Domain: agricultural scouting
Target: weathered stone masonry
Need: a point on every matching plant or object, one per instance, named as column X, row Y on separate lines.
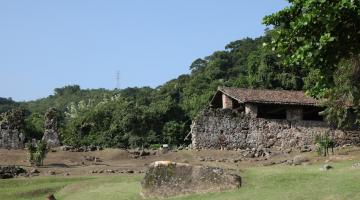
column 243, row 131
column 51, row 135
column 11, row 136
column 11, row 139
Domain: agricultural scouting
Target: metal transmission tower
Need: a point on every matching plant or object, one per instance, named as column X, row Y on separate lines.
column 117, row 80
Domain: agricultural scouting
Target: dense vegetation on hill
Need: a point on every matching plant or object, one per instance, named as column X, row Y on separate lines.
column 304, row 51
column 144, row 116
column 7, row 104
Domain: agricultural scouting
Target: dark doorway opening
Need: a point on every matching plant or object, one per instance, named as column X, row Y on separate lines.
column 271, row 112
column 312, row 113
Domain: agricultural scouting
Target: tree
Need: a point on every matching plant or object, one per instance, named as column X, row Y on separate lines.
column 198, row 64
column 319, row 35
column 71, row 89
column 343, row 100
column 173, row 133
column 34, row 125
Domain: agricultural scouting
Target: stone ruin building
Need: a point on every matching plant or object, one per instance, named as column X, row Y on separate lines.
column 251, row 118
column 51, row 133
column 12, row 126
column 11, row 135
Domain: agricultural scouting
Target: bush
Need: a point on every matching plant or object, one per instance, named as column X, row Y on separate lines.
column 37, row 153
column 323, row 144
column 155, row 146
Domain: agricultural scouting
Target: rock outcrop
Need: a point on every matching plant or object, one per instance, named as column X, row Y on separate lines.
column 51, row 134
column 165, row 178
column 11, row 124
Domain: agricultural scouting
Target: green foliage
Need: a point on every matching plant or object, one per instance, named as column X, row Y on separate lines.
column 320, row 36
column 31, row 151
column 316, row 33
column 7, row 104
column 324, row 143
column 343, row 104
column 64, row 96
column 316, row 84
column 37, row 153
column 155, row 146
column 173, row 132
column 34, row 125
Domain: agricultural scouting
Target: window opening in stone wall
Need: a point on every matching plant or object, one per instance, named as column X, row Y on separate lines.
column 271, row 112
column 312, row 113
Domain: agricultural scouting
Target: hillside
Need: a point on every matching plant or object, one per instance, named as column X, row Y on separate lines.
column 145, row 116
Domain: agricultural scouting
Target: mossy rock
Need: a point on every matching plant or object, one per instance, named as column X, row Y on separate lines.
column 165, row 178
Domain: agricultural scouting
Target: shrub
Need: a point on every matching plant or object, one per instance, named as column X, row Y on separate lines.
column 37, row 153
column 323, row 144
column 155, row 146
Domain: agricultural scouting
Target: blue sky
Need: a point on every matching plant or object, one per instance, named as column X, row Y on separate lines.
column 50, row 44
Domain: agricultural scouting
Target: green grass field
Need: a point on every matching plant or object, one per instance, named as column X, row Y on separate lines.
column 275, row 182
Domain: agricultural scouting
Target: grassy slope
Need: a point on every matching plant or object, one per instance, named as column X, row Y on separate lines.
column 275, row 182
column 35, row 188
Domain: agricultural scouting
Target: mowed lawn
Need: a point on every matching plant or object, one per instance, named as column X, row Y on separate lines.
column 273, row 182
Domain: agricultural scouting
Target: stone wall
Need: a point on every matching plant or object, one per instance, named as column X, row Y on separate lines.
column 227, row 102
column 51, row 135
column 294, row 114
column 251, row 109
column 243, row 131
column 11, row 124
column 11, row 139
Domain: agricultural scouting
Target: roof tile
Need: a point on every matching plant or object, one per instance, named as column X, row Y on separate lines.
column 269, row 96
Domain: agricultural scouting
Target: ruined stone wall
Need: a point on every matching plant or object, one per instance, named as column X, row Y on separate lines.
column 227, row 101
column 11, row 123
column 51, row 133
column 242, row 131
column 11, row 139
column 251, row 109
column 294, row 114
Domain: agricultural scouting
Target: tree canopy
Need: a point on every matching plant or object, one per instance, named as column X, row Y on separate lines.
column 322, row 37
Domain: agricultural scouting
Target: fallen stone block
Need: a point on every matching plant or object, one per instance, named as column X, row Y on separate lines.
column 165, row 178
column 7, row 172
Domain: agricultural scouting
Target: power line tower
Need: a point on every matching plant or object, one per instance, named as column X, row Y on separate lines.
column 117, row 80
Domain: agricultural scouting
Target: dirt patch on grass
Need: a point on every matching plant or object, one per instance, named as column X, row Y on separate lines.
column 42, row 192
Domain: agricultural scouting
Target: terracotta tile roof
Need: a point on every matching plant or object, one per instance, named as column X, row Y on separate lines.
column 269, row 96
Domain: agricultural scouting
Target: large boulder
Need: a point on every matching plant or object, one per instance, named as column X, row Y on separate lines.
column 300, row 159
column 165, row 178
